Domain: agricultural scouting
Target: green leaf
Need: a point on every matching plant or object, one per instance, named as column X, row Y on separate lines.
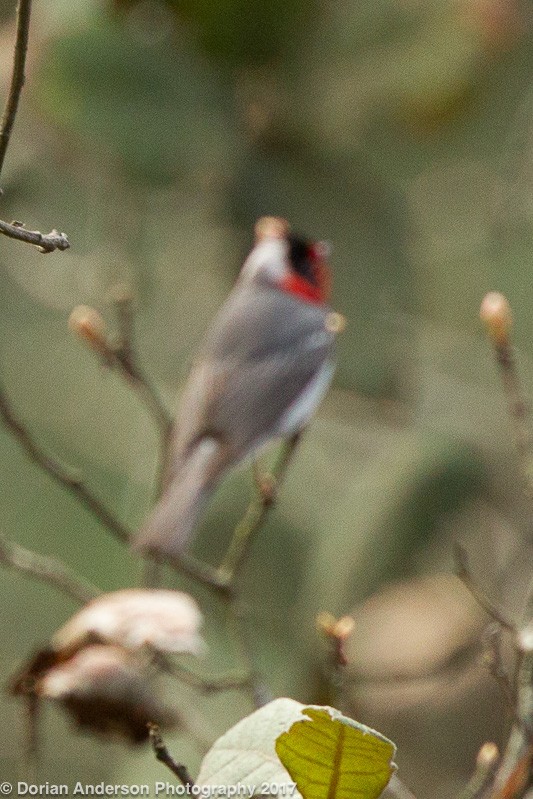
column 327, row 755
column 332, row 757
column 245, row 756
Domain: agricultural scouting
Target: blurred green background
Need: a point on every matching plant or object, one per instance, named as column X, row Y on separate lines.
column 154, row 134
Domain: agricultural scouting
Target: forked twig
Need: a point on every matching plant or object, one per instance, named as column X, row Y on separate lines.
column 257, row 511
column 48, row 570
column 46, row 242
column 163, row 755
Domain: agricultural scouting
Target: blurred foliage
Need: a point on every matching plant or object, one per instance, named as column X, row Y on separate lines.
column 154, row 134
column 239, row 33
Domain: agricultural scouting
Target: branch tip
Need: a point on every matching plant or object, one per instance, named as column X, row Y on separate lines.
column 495, row 313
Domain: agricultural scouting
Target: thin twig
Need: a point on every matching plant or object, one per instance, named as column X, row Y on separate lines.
column 63, row 475
column 145, row 390
column 492, row 642
column 225, row 682
column 462, row 569
column 45, row 242
column 496, row 313
column 528, row 610
column 47, row 569
column 124, row 358
column 336, row 632
column 17, row 76
column 163, row 755
column 201, row 572
column 89, row 326
column 257, row 512
column 519, row 410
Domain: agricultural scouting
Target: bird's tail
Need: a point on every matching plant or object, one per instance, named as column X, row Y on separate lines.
column 171, row 523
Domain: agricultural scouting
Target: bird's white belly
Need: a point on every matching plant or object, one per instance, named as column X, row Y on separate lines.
column 301, row 410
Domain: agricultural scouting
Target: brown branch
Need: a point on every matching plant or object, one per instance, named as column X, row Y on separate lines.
column 163, row 755
column 17, row 76
column 45, row 242
column 518, row 408
column 48, row 570
column 61, row 474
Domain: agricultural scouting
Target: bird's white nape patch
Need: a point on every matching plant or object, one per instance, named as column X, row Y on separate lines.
column 269, row 259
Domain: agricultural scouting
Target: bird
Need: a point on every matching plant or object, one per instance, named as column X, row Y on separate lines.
column 263, row 368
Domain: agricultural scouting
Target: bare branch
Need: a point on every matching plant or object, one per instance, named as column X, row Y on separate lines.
column 146, row 392
column 162, row 754
column 230, row 681
column 124, row 358
column 17, row 76
column 257, row 511
column 199, row 571
column 496, row 314
column 45, row 242
column 47, row 569
column 63, row 475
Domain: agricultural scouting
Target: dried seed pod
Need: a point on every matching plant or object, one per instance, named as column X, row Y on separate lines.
column 106, row 691
column 168, row 621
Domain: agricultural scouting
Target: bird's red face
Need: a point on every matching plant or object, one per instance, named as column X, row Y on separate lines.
column 309, row 278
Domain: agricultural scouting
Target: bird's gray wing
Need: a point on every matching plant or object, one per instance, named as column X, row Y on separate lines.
column 262, row 351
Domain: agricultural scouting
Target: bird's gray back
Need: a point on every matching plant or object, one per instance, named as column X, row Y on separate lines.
column 263, row 349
